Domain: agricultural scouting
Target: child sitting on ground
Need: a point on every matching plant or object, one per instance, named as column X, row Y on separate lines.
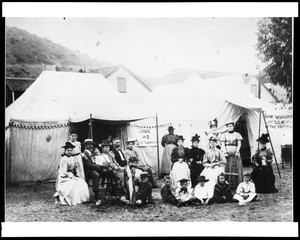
column 245, row 191
column 166, row 191
column 183, row 193
column 222, row 192
column 201, row 192
column 144, row 193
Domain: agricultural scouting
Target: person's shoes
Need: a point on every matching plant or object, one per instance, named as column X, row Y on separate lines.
column 98, row 202
column 242, row 203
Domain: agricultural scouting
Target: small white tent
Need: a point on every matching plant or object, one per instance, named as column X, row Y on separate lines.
column 37, row 123
column 188, row 106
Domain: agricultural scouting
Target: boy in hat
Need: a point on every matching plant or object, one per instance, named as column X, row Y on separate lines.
column 168, row 142
column 262, row 175
column 196, row 155
column 144, row 193
column 245, row 191
column 134, row 161
column 166, row 192
column 183, row 193
column 201, row 192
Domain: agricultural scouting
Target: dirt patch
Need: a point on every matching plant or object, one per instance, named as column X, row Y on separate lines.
column 27, row 204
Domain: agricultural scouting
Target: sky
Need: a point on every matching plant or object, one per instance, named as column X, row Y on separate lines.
column 156, row 46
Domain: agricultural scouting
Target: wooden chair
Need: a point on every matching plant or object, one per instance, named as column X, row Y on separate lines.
column 229, row 177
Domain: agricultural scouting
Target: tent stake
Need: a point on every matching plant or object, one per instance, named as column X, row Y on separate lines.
column 157, row 142
column 271, row 144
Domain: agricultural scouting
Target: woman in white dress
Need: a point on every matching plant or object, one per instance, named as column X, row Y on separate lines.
column 214, row 164
column 70, row 188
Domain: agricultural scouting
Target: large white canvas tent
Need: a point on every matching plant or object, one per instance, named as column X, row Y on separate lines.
column 189, row 106
column 37, row 123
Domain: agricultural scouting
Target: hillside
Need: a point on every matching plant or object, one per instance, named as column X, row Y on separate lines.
column 27, row 54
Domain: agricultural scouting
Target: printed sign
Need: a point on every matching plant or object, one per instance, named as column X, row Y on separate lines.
column 279, row 121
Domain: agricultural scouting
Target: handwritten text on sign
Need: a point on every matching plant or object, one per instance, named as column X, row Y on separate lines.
column 279, row 121
column 145, row 137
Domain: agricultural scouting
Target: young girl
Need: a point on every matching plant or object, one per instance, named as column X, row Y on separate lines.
column 76, row 153
column 70, row 189
column 222, row 192
column 245, row 191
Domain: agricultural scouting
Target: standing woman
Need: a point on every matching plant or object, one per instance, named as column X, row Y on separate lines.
column 231, row 145
column 76, row 153
column 213, row 133
column 262, row 175
column 168, row 142
column 196, row 156
column 70, row 189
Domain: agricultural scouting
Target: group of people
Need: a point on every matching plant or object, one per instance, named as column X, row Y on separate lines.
column 103, row 162
column 196, row 176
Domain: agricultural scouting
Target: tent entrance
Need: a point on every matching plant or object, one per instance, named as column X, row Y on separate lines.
column 241, row 127
column 101, row 130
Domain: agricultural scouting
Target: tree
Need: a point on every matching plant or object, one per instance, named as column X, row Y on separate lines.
column 275, row 49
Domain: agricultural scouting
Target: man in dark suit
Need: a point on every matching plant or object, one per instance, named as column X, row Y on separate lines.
column 119, row 155
column 91, row 169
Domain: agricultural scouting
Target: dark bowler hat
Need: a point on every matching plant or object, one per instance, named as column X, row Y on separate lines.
column 180, row 137
column 105, row 143
column 68, row 145
column 88, row 141
column 183, row 180
column 144, row 174
column 171, row 128
column 202, row 179
column 73, row 131
column 263, row 138
column 195, row 138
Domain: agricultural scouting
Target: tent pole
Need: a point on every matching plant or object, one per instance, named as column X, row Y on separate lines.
column 259, row 127
column 271, row 144
column 91, row 127
column 157, row 141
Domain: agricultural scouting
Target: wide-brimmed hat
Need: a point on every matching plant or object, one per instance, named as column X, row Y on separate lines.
column 144, row 174
column 263, row 138
column 88, row 141
column 131, row 140
column 68, row 145
column 183, row 180
column 170, row 128
column 202, row 179
column 195, row 138
column 230, row 121
column 105, row 143
column 213, row 122
column 180, row 137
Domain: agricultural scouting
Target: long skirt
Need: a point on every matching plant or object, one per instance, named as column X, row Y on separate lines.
column 234, row 165
column 212, row 175
column 264, row 179
column 196, row 169
column 71, row 191
column 166, row 162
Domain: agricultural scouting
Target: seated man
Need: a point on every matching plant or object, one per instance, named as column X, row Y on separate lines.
column 91, row 169
column 134, row 161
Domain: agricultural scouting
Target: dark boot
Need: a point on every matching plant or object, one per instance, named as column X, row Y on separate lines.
column 96, row 195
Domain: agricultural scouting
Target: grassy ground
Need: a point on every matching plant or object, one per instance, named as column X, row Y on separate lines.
column 27, row 204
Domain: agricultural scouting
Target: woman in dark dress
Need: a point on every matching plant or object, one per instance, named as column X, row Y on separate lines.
column 262, row 175
column 196, row 155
